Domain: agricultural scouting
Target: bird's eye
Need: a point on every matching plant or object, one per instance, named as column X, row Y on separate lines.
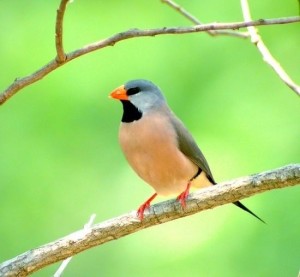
column 132, row 91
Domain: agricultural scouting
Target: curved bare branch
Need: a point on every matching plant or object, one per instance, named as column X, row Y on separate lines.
column 20, row 83
column 267, row 56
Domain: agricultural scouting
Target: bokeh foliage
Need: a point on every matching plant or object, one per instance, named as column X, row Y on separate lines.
column 60, row 160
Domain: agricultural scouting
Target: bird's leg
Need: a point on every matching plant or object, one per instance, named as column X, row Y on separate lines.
column 144, row 206
column 182, row 196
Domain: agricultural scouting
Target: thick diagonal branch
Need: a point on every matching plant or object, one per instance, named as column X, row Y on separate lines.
column 126, row 224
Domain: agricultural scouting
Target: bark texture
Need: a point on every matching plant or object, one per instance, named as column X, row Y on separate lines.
column 126, row 224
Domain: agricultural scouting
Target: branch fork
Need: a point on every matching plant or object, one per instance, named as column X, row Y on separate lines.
column 213, row 29
column 126, row 224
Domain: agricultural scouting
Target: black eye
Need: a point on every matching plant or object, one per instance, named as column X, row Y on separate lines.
column 132, row 91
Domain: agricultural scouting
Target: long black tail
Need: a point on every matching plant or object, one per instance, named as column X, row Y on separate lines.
column 240, row 205
column 237, row 203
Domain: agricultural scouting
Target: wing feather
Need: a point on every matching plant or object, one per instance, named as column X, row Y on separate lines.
column 189, row 147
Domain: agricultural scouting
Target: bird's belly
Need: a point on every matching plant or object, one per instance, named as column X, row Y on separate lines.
column 167, row 175
column 150, row 147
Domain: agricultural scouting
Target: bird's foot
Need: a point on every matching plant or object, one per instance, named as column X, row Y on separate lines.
column 144, row 206
column 183, row 196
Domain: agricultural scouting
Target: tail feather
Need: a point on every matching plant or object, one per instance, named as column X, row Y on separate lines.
column 240, row 205
column 237, row 203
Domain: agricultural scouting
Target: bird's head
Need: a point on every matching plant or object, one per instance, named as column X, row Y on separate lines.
column 142, row 94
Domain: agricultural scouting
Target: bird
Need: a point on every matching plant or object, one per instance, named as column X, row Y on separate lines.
column 158, row 146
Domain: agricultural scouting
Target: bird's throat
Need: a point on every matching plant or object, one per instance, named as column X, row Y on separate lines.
column 130, row 112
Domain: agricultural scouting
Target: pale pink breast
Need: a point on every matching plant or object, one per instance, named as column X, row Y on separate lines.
column 151, row 149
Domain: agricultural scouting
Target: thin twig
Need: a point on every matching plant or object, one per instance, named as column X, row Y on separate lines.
column 65, row 263
column 195, row 20
column 20, row 83
column 115, row 228
column 267, row 56
column 61, row 57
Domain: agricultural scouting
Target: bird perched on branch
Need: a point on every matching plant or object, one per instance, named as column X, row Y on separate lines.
column 158, row 146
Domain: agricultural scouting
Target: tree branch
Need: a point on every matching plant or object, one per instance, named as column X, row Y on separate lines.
column 126, row 224
column 65, row 263
column 267, row 56
column 59, row 32
column 195, row 20
column 20, row 83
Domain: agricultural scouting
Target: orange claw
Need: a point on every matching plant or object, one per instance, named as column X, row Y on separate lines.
column 144, row 206
column 183, row 196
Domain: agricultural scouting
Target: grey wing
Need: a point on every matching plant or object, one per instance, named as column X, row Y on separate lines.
column 189, row 147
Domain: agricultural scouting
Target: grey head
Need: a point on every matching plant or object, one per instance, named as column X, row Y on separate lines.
column 144, row 95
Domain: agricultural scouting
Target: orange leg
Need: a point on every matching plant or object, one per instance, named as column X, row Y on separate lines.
column 182, row 196
column 144, row 206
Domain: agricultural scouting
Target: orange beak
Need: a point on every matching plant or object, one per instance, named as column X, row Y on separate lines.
column 119, row 93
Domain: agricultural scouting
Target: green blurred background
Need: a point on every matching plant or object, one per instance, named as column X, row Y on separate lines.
column 60, row 158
